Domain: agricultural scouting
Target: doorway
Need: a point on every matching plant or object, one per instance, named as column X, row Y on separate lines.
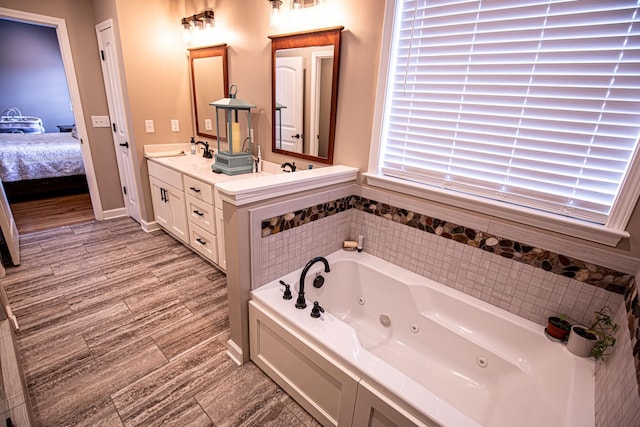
column 59, row 26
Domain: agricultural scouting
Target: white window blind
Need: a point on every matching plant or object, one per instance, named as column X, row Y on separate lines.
column 535, row 103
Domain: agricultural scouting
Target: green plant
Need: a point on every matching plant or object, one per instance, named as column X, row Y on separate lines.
column 602, row 327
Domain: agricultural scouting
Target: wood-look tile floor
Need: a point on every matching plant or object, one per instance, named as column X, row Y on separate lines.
column 53, row 212
column 122, row 327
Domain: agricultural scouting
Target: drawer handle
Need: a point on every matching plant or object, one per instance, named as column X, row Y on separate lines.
column 202, row 242
column 197, row 190
column 198, row 213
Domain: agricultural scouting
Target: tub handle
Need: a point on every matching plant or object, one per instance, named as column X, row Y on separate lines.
column 316, row 310
column 287, row 290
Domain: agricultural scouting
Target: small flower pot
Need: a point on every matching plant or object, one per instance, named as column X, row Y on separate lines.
column 581, row 341
column 558, row 328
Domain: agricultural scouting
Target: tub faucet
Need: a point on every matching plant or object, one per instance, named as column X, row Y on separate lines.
column 300, row 302
column 292, row 166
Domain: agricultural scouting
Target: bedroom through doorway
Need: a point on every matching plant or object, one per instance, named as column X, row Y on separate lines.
column 41, row 160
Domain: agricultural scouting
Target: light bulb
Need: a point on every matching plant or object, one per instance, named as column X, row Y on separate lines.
column 275, row 17
column 274, row 20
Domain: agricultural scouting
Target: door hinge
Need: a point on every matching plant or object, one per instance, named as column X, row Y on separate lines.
column 102, row 54
column 114, row 126
column 124, row 188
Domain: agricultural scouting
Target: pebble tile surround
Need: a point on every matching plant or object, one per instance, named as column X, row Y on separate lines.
column 592, row 274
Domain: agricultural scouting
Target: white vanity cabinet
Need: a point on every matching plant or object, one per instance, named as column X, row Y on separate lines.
column 168, row 200
column 202, row 219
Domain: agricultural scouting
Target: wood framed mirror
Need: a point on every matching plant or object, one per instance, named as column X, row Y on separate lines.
column 209, row 82
column 304, row 93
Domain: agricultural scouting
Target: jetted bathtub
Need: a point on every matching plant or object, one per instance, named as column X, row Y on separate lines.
column 395, row 348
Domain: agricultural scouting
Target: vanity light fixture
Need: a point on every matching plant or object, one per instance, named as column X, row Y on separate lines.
column 200, row 21
column 274, row 19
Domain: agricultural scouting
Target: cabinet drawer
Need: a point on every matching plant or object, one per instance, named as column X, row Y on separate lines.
column 203, row 242
column 201, row 214
column 165, row 174
column 198, row 189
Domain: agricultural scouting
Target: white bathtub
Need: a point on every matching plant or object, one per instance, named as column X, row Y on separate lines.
column 447, row 357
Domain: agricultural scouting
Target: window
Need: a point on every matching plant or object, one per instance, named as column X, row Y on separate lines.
column 533, row 104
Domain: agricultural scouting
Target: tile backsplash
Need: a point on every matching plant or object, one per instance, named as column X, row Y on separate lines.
column 538, row 258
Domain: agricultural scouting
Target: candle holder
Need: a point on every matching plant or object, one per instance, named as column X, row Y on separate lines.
column 237, row 158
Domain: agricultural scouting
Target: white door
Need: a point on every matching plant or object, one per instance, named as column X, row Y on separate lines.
column 119, row 125
column 9, row 229
column 290, row 93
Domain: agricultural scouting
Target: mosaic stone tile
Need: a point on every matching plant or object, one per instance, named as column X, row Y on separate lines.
column 581, row 271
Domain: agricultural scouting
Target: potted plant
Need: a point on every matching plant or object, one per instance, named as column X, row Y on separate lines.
column 594, row 339
column 558, row 328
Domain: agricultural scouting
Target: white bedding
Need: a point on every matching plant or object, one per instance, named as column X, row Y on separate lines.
column 34, row 156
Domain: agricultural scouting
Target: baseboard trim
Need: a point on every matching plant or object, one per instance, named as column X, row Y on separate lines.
column 114, row 213
column 150, row 226
column 235, row 353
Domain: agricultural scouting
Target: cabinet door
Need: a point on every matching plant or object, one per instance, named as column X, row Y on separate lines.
column 178, row 225
column 160, row 207
column 169, row 208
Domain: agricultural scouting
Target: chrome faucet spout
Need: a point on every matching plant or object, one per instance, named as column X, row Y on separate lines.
column 300, row 302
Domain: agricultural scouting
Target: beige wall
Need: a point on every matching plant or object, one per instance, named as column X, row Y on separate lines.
column 247, row 30
column 79, row 18
column 156, row 75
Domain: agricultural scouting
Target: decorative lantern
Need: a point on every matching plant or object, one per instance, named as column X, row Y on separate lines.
column 237, row 158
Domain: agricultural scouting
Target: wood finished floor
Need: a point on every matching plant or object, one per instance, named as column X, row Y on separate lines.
column 44, row 214
column 122, row 327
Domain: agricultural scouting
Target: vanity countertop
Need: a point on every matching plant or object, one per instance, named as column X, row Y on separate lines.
column 199, row 167
column 193, row 165
column 252, row 187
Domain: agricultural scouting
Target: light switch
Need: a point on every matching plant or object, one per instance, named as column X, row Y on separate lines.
column 148, row 125
column 100, row 121
column 207, row 124
column 175, row 125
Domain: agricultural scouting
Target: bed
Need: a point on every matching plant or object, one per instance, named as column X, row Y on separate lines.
column 35, row 165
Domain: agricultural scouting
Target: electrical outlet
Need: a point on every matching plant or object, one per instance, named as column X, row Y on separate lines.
column 251, row 136
column 100, row 121
column 175, row 125
column 207, row 124
column 148, row 125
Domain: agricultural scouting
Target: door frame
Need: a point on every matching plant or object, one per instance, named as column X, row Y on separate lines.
column 314, row 99
column 295, row 109
column 72, row 82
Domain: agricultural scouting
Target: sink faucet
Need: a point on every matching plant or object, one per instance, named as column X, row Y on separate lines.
column 292, row 166
column 206, row 153
column 300, row 302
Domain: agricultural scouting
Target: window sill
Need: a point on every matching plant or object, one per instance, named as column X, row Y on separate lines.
column 570, row 227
